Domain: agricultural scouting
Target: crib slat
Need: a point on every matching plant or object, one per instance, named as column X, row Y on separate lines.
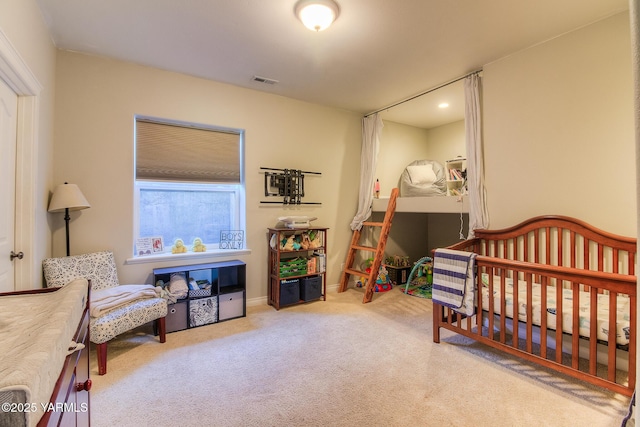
column 516, row 309
column 632, row 338
column 543, row 318
column 613, row 311
column 547, row 259
column 600, row 257
column 491, row 304
column 479, row 303
column 593, row 331
column 503, row 308
column 572, row 245
column 558, row 321
column 560, row 247
column 575, row 336
column 529, row 314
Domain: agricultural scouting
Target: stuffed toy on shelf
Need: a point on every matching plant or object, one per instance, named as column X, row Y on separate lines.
column 178, row 247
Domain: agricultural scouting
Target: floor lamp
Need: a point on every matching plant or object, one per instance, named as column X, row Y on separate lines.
column 67, row 197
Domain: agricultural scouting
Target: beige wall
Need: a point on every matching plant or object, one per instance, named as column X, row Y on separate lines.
column 558, row 130
column 399, row 145
column 402, row 144
column 21, row 22
column 447, row 142
column 96, row 103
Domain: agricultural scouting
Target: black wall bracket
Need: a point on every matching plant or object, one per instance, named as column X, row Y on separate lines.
column 286, row 183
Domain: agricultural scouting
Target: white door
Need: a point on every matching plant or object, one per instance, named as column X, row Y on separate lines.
column 8, row 124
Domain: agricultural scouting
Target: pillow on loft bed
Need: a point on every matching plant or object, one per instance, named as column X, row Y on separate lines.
column 422, row 174
column 423, row 178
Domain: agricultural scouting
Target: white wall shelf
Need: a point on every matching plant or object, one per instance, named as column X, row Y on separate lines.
column 435, row 204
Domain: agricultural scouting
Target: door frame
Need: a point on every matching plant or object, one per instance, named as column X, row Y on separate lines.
column 15, row 72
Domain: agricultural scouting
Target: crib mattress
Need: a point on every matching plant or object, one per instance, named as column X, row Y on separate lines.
column 622, row 315
column 35, row 333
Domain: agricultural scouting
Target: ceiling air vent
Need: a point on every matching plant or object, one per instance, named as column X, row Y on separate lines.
column 264, row 80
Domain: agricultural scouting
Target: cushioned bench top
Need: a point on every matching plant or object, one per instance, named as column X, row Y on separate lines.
column 35, row 333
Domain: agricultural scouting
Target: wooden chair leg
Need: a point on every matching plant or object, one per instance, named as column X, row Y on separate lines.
column 102, row 358
column 162, row 329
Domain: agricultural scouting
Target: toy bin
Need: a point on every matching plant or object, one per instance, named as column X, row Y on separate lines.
column 203, row 311
column 231, row 305
column 176, row 317
column 310, row 288
column 398, row 275
column 289, row 291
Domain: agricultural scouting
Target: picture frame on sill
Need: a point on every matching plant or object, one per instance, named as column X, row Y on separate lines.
column 149, row 246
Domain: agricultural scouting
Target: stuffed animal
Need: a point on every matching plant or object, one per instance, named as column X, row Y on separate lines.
column 305, row 242
column 198, row 246
column 315, row 241
column 178, row 247
column 288, row 244
column 296, row 243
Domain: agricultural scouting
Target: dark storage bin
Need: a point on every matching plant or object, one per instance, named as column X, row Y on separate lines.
column 176, row 319
column 289, row 291
column 310, row 288
column 398, row 275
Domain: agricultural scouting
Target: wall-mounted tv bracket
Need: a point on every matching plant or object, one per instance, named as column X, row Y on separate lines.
column 286, row 183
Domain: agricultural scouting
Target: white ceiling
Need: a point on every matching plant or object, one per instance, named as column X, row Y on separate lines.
column 378, row 52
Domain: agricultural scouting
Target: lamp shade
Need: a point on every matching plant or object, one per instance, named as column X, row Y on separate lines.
column 67, row 196
column 317, row 15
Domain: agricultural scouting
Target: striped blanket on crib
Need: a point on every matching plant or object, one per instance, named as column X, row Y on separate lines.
column 454, row 280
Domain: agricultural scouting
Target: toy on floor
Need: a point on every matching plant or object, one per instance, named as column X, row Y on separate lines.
column 383, row 284
column 366, row 267
column 422, row 267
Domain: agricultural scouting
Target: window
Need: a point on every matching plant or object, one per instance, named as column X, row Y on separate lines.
column 189, row 182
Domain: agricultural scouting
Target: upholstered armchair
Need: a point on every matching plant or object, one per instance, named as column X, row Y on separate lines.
column 128, row 308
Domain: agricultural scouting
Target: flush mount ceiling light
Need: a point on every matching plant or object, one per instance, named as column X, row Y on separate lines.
column 317, row 15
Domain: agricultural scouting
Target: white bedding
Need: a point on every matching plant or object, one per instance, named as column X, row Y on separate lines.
column 623, row 312
column 35, row 333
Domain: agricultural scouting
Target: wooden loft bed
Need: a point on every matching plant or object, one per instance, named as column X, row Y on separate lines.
column 431, row 204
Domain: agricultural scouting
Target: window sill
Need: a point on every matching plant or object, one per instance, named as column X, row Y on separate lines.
column 188, row 256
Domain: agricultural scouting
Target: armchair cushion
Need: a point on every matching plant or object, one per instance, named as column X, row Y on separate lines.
column 99, row 267
column 124, row 318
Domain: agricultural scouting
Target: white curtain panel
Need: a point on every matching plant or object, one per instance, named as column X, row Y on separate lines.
column 371, row 128
column 478, row 213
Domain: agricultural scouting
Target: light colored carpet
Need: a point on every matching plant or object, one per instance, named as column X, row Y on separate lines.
column 334, row 363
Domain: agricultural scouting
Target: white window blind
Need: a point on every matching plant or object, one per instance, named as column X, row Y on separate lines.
column 181, row 153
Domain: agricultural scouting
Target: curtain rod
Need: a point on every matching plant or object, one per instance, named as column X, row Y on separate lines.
column 424, row 93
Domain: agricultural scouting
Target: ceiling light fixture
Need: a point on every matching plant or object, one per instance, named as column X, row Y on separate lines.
column 317, row 15
column 443, row 105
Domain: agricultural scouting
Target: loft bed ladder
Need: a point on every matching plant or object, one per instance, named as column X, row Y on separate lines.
column 378, row 251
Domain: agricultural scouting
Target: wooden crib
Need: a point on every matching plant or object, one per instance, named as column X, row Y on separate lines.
column 550, row 265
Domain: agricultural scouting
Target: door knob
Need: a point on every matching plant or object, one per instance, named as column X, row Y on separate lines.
column 18, row 255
